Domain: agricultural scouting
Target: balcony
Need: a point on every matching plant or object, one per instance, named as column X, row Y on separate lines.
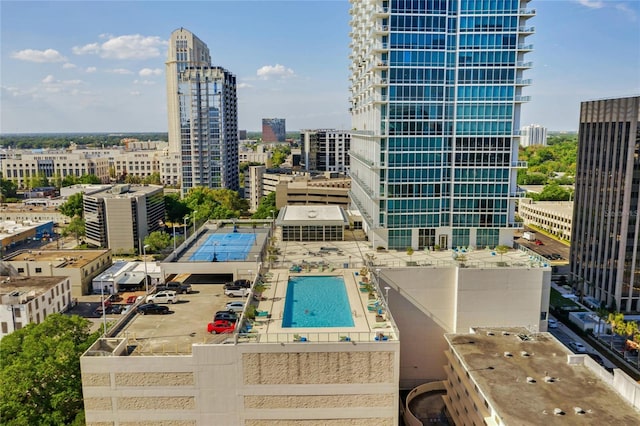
column 527, row 30
column 381, row 47
column 379, row 98
column 527, row 12
column 381, row 64
column 519, row 164
column 522, row 98
column 381, row 12
column 524, row 82
column 527, row 64
column 525, row 47
column 382, row 29
column 380, row 82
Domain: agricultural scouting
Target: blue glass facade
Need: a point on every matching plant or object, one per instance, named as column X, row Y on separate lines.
column 436, row 93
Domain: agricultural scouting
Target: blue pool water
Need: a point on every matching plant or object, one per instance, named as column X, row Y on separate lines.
column 224, row 247
column 317, row 301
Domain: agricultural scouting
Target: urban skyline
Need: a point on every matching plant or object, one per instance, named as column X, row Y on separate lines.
column 73, row 72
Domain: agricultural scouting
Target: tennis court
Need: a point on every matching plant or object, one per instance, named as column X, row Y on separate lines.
column 224, row 247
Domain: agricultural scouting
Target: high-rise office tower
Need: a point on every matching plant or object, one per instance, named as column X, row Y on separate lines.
column 436, row 90
column 325, row 150
column 605, row 243
column 203, row 115
column 273, row 130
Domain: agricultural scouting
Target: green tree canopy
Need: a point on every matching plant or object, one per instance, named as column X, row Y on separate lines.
column 157, row 241
column 73, row 207
column 76, row 228
column 40, row 374
column 153, row 179
column 525, row 178
column 215, row 203
column 69, row 180
column 175, row 208
column 267, row 204
column 39, row 181
column 8, row 189
column 553, row 192
column 280, row 154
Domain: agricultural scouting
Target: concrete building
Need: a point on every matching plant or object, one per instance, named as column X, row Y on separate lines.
column 14, row 234
column 312, row 223
column 605, row 251
column 533, row 134
column 203, row 115
column 19, row 166
column 325, row 150
column 273, row 130
column 121, row 217
column 81, row 266
column 513, row 376
column 316, row 190
column 551, row 216
column 248, row 154
column 434, row 153
column 30, row 300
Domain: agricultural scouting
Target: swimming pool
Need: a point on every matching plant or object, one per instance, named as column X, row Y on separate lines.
column 223, row 247
column 317, row 301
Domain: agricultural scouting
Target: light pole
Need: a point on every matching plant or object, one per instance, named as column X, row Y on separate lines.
column 386, row 296
column 194, row 221
column 273, row 220
column 215, row 257
column 185, row 226
column 146, row 281
column 104, row 311
column 173, row 225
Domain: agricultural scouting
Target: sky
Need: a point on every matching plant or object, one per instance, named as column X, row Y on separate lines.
column 98, row 66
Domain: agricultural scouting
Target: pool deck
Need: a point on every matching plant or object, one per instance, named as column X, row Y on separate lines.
column 366, row 326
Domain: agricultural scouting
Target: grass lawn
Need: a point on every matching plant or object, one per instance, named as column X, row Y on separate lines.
column 557, row 301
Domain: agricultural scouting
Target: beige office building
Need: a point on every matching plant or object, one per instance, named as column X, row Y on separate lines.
column 513, row 376
column 553, row 217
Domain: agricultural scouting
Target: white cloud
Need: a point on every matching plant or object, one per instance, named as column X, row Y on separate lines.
column 275, row 71
column 121, row 71
column 68, row 65
column 91, row 69
column 132, row 46
column 48, row 79
column 147, row 72
column 144, row 82
column 135, row 93
column 31, row 55
column 627, row 10
column 244, row 86
column 592, row 4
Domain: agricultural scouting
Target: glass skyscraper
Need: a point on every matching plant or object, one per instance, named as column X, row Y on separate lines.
column 436, row 90
column 203, row 115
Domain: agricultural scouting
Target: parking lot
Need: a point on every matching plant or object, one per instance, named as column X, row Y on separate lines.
column 185, row 325
column 549, row 246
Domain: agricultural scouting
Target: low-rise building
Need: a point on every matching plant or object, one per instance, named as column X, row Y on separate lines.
column 513, row 376
column 14, row 234
column 552, row 216
column 81, row 266
column 314, row 191
column 30, row 300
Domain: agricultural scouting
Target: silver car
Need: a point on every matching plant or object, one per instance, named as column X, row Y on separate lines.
column 235, row 306
column 166, row 296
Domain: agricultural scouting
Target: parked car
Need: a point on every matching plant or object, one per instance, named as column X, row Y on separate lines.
column 578, row 347
column 235, row 306
column 236, row 291
column 552, row 323
column 597, row 358
column 242, row 283
column 167, row 296
column 176, row 286
column 539, row 243
column 221, row 326
column 152, row 308
column 226, row 316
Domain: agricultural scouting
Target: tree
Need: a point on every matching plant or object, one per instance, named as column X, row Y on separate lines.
column 69, row 180
column 40, row 376
column 76, row 228
column 616, row 321
column 267, row 204
column 553, row 192
column 157, row 241
column 73, row 207
column 89, row 179
column 215, row 203
column 280, row 154
column 8, row 189
column 175, row 208
column 38, row 181
column 410, row 252
column 152, row 179
column 501, row 250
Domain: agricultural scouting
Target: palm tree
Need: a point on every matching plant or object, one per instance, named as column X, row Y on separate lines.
column 631, row 330
column 614, row 320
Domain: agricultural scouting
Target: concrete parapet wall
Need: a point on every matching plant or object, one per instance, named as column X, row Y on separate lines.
column 157, row 403
column 318, row 401
column 336, row 422
column 318, row 368
column 154, row 379
column 96, row 379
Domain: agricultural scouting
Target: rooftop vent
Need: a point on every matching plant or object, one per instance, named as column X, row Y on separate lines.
column 506, row 333
column 531, row 380
column 524, row 354
column 549, row 379
column 579, row 411
column 508, row 354
column 490, row 333
column 558, row 412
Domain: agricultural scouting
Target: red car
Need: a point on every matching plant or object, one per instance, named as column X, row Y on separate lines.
column 221, row 326
column 539, row 243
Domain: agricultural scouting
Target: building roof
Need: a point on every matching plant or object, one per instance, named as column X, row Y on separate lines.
column 305, row 215
column 505, row 381
column 125, row 190
column 58, row 258
column 557, row 208
column 33, row 286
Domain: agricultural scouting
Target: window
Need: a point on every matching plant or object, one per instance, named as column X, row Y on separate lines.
column 38, row 270
column 21, row 270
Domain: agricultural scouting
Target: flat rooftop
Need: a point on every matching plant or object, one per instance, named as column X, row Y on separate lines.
column 503, row 379
column 205, row 243
column 37, row 285
column 311, row 214
column 58, row 258
column 186, row 325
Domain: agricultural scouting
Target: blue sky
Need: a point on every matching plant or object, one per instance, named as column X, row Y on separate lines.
column 92, row 66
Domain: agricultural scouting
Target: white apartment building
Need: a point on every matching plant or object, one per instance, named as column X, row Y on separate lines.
column 533, row 134
column 260, row 155
column 29, row 300
column 325, row 150
column 20, row 166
